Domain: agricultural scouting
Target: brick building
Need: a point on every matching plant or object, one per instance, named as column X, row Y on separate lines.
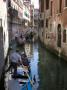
column 55, row 25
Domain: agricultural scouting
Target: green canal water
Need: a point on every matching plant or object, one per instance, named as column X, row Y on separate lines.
column 52, row 71
column 49, row 70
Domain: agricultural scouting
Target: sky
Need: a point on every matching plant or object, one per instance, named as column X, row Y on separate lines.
column 36, row 3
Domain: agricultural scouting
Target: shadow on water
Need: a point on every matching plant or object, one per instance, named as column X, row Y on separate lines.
column 52, row 71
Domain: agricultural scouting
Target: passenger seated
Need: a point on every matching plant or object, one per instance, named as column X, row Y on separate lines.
column 24, row 59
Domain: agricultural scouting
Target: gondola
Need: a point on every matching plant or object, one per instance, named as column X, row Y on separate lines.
column 21, row 81
column 24, row 79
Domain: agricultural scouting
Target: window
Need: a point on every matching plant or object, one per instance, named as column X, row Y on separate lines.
column 65, row 3
column 42, row 5
column 47, row 4
column 50, row 27
column 4, row 36
column 51, row 7
column 47, row 23
column 59, row 35
column 42, row 33
column 42, row 23
column 60, row 6
column 64, row 36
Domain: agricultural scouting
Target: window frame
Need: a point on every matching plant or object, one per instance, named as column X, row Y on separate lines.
column 47, row 22
column 47, row 4
column 65, row 3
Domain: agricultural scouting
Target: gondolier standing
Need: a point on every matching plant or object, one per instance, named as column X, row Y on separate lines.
column 15, row 60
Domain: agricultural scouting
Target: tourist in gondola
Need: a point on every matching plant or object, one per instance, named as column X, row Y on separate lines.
column 24, row 59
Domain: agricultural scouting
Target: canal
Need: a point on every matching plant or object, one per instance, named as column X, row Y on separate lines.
column 52, row 71
column 48, row 71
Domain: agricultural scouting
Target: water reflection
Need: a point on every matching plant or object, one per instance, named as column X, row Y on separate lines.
column 29, row 50
column 34, row 62
column 32, row 52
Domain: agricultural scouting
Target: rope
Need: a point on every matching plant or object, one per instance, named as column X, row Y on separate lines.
column 29, row 77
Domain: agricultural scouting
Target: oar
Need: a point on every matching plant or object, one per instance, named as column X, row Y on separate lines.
column 28, row 76
column 30, row 79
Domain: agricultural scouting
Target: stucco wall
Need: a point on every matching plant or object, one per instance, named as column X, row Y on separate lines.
column 50, row 33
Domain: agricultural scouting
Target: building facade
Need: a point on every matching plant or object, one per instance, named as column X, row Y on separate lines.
column 18, row 14
column 36, row 18
column 55, row 25
column 41, row 19
column 3, row 34
column 32, row 15
column 14, row 17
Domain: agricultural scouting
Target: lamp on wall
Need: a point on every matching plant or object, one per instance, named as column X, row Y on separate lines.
column 0, row 22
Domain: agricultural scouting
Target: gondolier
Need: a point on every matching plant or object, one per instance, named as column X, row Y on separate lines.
column 15, row 60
